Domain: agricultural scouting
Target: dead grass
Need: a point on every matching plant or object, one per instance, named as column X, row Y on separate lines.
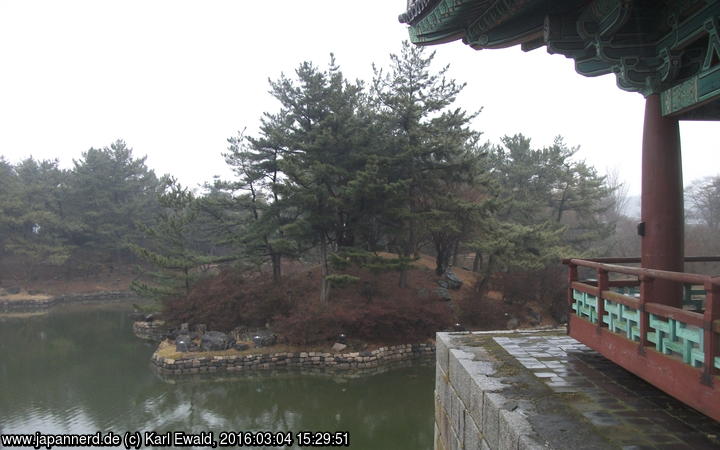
column 23, row 296
column 22, row 315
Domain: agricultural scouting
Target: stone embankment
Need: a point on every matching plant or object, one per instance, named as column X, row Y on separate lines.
column 155, row 330
column 303, row 360
column 41, row 303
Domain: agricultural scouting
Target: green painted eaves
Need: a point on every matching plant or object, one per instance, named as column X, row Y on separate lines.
column 447, row 18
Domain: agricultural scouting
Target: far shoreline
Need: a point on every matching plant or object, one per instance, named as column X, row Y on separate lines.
column 27, row 303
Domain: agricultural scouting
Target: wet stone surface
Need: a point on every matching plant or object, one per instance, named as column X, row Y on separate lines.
column 628, row 411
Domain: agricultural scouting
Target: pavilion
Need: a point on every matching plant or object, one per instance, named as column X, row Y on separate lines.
column 654, row 320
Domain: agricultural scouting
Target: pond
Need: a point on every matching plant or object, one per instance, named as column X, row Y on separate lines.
column 79, row 369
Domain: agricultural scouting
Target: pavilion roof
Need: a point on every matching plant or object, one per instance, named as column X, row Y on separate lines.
column 670, row 47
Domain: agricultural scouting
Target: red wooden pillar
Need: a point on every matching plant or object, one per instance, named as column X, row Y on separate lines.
column 603, row 285
column 572, row 277
column 710, row 339
column 662, row 212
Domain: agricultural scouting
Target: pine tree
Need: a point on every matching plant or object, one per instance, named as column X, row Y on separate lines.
column 175, row 246
column 110, row 192
column 34, row 221
column 430, row 152
column 546, row 206
column 260, row 234
column 319, row 135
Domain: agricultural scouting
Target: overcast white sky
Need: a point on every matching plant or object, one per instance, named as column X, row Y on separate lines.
column 176, row 78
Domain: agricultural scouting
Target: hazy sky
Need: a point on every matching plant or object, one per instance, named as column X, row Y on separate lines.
column 175, row 79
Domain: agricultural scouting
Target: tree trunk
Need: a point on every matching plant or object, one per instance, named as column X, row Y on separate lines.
column 402, row 282
column 456, row 249
column 477, row 261
column 487, row 273
column 324, row 271
column 441, row 260
column 403, row 279
column 277, row 266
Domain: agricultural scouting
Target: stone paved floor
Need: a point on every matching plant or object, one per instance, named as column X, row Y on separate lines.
column 631, row 412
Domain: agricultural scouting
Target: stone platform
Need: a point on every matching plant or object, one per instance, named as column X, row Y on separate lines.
column 543, row 389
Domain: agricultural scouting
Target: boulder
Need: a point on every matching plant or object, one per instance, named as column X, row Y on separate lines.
column 172, row 334
column 452, row 280
column 338, row 347
column 215, row 340
column 443, row 293
column 241, row 346
column 183, row 343
column 264, row 339
column 443, row 284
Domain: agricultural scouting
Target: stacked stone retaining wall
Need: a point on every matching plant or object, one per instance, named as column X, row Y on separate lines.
column 45, row 303
column 332, row 361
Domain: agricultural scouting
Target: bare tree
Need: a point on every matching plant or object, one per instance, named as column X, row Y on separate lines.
column 703, row 201
column 618, row 197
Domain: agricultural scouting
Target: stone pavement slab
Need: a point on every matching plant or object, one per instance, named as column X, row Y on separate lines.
column 559, row 394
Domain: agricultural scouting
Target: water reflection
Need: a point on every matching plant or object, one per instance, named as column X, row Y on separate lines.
column 80, row 370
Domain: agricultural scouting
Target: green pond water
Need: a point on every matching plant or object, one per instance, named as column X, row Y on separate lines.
column 79, row 369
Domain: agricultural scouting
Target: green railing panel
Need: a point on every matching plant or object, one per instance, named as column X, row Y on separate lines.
column 622, row 319
column 585, row 305
column 673, row 336
column 670, row 336
column 698, row 359
column 662, row 327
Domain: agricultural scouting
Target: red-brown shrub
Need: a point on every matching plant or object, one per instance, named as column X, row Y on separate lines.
column 228, row 300
column 547, row 287
column 486, row 311
column 386, row 321
column 395, row 315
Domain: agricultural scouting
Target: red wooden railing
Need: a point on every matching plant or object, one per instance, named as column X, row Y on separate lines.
column 698, row 387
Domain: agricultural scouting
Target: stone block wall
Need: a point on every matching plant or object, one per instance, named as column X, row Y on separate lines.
column 337, row 361
column 471, row 411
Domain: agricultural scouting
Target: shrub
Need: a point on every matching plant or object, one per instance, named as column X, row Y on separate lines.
column 383, row 321
column 228, row 300
column 391, row 315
